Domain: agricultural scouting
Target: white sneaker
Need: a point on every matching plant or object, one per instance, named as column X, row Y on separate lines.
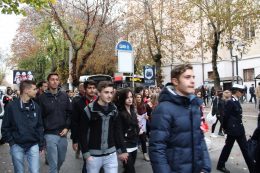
column 213, row 135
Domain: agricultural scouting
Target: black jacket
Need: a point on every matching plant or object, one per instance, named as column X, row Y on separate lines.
column 130, row 128
column 56, row 112
column 99, row 132
column 256, row 136
column 78, row 105
column 23, row 126
column 232, row 121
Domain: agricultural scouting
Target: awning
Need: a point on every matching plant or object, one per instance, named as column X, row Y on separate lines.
column 225, row 79
column 258, row 76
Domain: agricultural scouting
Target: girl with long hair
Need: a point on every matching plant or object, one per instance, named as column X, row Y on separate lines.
column 142, row 119
column 130, row 128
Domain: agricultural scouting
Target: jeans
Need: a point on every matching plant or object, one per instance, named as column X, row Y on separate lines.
column 56, row 147
column 33, row 157
column 109, row 164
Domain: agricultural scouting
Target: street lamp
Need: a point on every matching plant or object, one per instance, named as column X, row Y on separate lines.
column 240, row 48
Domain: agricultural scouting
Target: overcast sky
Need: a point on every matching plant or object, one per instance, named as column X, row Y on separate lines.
column 8, row 27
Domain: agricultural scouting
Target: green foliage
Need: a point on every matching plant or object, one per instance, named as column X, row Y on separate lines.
column 11, row 6
column 38, row 64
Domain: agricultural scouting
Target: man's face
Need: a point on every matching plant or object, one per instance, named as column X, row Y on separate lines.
column 54, row 82
column 44, row 87
column 91, row 90
column 185, row 84
column 81, row 89
column 31, row 92
column 106, row 94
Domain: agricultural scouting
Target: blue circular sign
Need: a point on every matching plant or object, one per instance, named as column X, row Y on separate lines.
column 124, row 46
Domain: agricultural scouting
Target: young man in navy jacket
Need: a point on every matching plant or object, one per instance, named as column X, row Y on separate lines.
column 22, row 128
column 176, row 141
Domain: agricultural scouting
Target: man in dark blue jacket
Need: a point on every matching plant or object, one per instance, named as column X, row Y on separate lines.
column 22, row 128
column 56, row 113
column 234, row 128
column 176, row 141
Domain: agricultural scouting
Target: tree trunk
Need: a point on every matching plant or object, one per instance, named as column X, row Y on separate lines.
column 158, row 65
column 214, row 60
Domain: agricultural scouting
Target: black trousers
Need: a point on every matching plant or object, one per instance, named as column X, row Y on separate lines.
column 220, row 119
column 142, row 139
column 129, row 166
column 241, row 140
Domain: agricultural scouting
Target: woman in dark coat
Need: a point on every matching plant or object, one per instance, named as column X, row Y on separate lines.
column 130, row 128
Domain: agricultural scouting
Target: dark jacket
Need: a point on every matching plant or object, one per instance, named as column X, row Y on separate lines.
column 56, row 111
column 99, row 131
column 176, row 142
column 215, row 106
column 78, row 105
column 23, row 126
column 130, row 128
column 232, row 121
column 256, row 136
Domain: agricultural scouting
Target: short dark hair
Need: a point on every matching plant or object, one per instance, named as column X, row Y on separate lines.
column 25, row 84
column 52, row 74
column 179, row 69
column 104, row 84
column 89, row 82
column 40, row 83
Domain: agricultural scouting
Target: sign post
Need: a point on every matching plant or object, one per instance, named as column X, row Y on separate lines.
column 124, row 51
column 149, row 75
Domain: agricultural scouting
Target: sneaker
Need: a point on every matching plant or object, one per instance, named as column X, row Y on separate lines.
column 146, row 157
column 223, row 169
column 213, row 135
column 221, row 134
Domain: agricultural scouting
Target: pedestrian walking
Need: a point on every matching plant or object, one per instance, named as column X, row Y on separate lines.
column 130, row 128
column 78, row 107
column 234, row 128
column 176, row 142
column 258, row 94
column 56, row 113
column 22, row 128
column 252, row 93
column 217, row 109
column 142, row 120
column 100, row 133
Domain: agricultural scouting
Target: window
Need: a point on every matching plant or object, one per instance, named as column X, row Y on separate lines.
column 210, row 75
column 249, row 30
column 249, row 74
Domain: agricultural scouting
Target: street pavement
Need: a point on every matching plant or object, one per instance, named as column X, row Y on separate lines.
column 235, row 164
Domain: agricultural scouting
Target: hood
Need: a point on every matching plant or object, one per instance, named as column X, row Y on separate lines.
column 169, row 94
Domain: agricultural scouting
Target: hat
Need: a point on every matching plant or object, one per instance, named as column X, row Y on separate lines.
column 238, row 86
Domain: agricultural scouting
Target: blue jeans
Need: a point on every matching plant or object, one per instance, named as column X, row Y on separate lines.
column 33, row 157
column 56, row 147
column 109, row 164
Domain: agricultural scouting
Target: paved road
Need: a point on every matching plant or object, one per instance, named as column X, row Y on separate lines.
column 235, row 163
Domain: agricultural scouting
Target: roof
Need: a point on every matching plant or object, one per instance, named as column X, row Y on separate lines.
column 258, row 76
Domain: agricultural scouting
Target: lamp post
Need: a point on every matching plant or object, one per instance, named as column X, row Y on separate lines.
column 240, row 48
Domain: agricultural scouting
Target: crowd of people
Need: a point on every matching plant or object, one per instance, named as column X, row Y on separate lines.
column 107, row 125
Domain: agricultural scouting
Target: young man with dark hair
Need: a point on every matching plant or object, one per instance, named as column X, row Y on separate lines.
column 56, row 113
column 42, row 87
column 176, row 141
column 78, row 106
column 234, row 128
column 100, row 131
column 22, row 128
